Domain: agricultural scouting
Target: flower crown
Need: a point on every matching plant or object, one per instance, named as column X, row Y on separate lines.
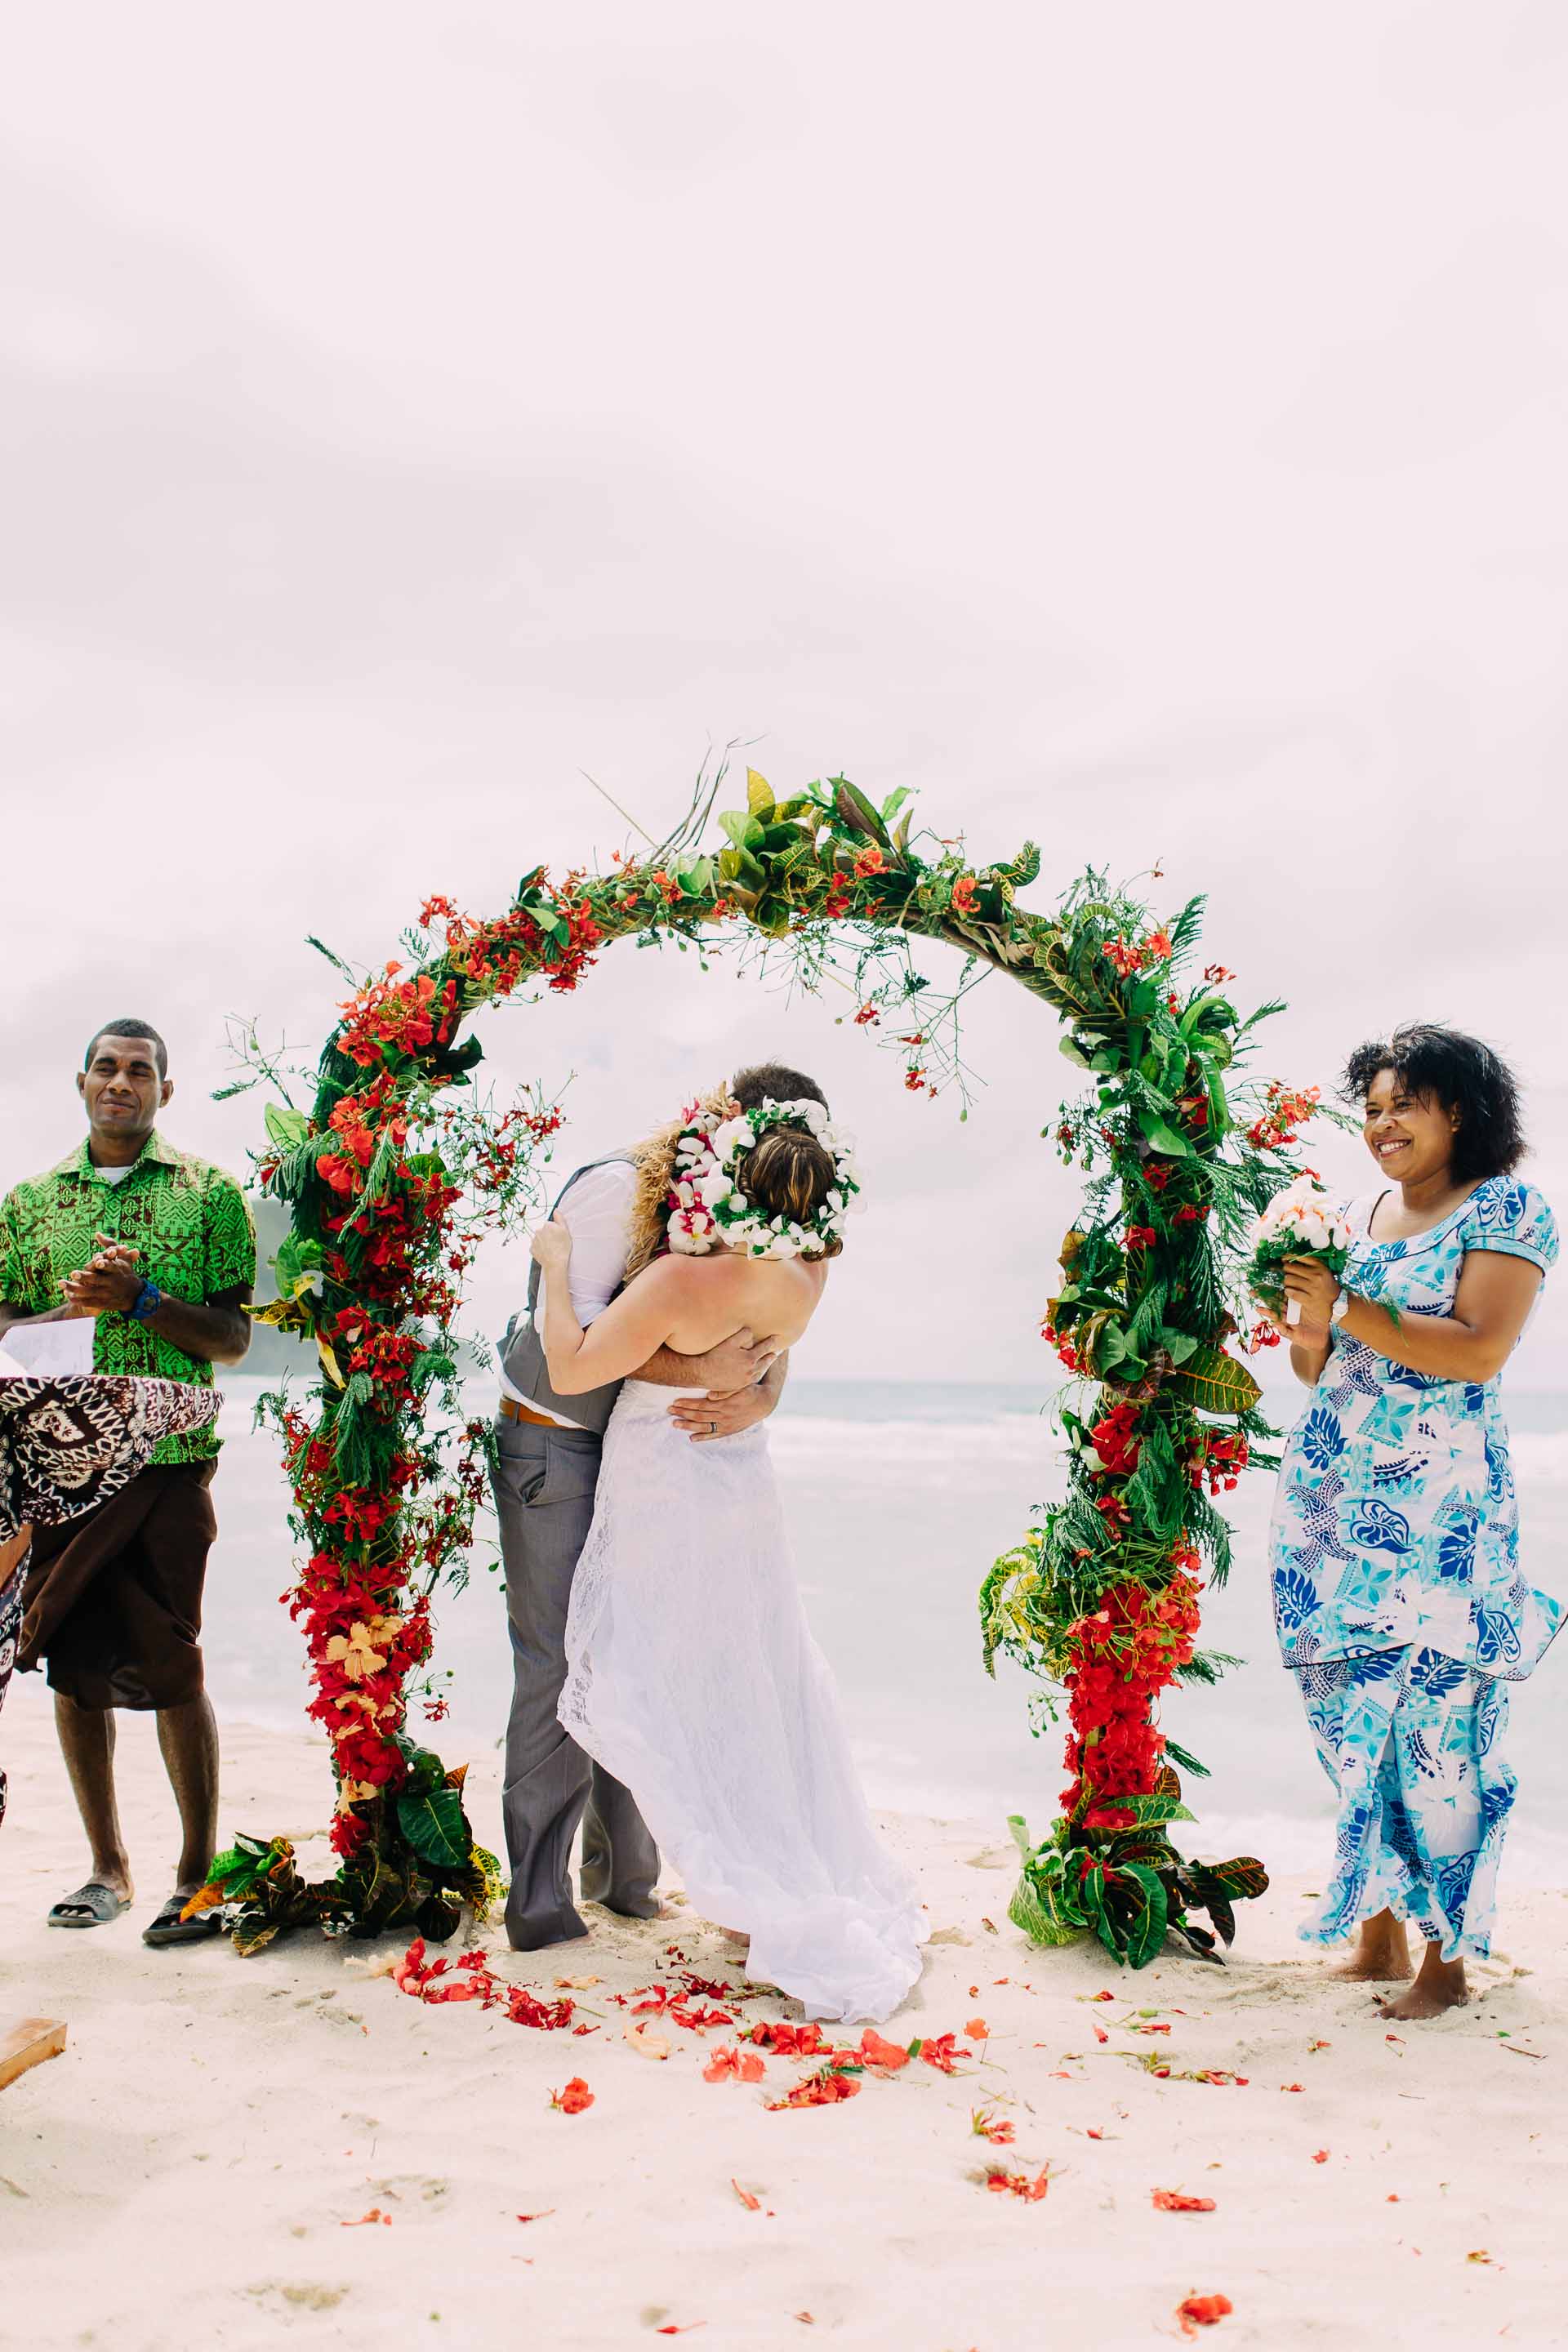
column 706, row 1206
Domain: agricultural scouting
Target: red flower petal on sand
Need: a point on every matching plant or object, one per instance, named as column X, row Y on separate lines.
column 1203, row 2310
column 1101, row 2034
column 826, row 2088
column 1292, row 2086
column 786, row 2041
column 1319, row 2156
column 375, row 2214
column 940, row 2050
column 543, row 2216
column 883, row 2057
column 733, row 2067
column 753, row 2204
column 985, row 2126
column 977, row 2030
column 574, row 2099
column 1171, row 2200
column 1018, row 2184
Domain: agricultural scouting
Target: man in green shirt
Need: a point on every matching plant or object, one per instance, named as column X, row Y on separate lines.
column 157, row 1247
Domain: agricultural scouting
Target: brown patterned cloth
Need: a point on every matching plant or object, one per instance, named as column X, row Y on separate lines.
column 12, row 1555
column 113, row 1583
column 70, row 1441
column 114, row 1598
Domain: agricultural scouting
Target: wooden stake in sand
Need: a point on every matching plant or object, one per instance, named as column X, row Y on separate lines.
column 28, row 2044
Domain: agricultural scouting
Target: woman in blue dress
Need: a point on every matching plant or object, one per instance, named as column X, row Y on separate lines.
column 1398, row 1597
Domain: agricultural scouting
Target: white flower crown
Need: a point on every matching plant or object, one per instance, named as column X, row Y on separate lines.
column 707, row 1208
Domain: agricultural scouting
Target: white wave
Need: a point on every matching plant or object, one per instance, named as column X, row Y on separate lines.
column 1539, row 1456
column 803, row 1439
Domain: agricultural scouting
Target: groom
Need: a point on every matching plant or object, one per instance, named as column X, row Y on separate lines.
column 548, row 1468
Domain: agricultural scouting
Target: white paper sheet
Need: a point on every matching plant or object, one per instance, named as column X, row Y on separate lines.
column 45, row 1349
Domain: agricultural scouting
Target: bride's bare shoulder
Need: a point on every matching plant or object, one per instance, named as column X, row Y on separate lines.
column 680, row 1275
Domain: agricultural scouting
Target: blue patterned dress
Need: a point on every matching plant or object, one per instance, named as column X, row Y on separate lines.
column 1398, row 1598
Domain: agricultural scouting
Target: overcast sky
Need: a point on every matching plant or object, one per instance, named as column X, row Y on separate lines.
column 1141, row 427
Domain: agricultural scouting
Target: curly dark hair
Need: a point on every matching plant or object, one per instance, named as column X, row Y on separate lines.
column 1445, row 1065
column 775, row 1080
column 126, row 1026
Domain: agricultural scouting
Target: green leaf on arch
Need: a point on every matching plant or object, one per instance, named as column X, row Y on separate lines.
column 435, row 1827
column 1164, row 1138
column 1214, row 1382
column 856, row 812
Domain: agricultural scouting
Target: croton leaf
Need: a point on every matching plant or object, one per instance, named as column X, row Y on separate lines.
column 253, row 1931
column 1142, row 1892
column 855, row 812
column 435, row 1827
column 1144, row 1845
column 1215, row 1383
column 1224, row 1917
column 759, row 795
column 1243, row 1878
column 437, row 1918
column 1039, row 1918
column 1152, row 1813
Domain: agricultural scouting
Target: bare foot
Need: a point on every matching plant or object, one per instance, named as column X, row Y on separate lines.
column 1439, row 1986
column 1382, row 1955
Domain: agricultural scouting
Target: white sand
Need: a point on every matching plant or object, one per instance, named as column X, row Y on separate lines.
column 181, row 2176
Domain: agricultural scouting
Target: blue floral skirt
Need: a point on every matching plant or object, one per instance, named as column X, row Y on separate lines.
column 1412, row 1743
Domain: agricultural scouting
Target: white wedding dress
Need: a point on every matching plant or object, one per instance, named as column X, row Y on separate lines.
column 693, row 1677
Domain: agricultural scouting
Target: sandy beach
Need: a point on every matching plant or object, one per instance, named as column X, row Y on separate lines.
column 201, row 2162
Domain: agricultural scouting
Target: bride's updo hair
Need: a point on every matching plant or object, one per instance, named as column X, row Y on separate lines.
column 787, row 1173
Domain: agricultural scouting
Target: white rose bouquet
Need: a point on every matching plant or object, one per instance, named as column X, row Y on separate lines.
column 1303, row 1220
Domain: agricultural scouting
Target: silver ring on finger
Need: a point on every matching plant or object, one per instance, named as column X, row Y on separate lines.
column 712, row 1429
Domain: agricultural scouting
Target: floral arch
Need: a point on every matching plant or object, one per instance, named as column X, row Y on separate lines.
column 399, row 1164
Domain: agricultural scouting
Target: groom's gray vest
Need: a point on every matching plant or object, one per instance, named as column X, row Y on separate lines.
column 521, row 1350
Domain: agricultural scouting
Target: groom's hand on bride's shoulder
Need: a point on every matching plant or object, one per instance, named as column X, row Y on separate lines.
column 552, row 1243
column 738, row 1362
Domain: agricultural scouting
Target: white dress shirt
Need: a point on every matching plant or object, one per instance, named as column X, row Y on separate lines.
column 597, row 1213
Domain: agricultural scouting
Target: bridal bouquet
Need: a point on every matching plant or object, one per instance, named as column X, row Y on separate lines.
column 1301, row 1221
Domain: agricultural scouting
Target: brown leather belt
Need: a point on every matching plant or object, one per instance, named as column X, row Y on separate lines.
column 512, row 1411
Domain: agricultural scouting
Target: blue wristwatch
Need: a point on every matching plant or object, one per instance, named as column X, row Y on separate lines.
column 149, row 1299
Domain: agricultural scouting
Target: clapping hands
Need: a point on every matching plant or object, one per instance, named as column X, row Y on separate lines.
column 110, row 1283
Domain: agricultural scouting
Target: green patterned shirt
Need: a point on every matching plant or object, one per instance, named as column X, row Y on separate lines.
column 190, row 1223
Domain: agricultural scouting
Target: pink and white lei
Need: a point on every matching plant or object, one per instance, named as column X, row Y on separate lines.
column 707, row 1208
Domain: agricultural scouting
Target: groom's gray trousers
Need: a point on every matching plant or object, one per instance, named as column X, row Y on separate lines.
column 544, row 1486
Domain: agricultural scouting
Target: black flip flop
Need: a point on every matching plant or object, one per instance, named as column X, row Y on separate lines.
column 168, row 1927
column 96, row 1904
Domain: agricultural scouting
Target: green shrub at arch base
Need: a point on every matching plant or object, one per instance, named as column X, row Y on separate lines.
column 398, row 1165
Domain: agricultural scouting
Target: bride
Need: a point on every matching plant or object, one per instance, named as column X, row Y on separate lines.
column 692, row 1676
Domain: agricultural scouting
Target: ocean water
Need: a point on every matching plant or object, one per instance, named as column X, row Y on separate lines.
column 899, row 1496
